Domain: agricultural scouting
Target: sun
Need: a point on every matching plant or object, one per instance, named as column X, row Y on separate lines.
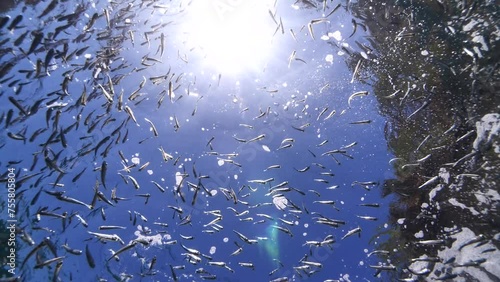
column 232, row 36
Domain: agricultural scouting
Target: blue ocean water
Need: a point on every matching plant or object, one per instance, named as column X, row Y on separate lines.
column 237, row 93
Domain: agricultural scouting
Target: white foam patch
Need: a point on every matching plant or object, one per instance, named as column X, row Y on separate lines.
column 155, row 240
column 178, row 178
column 280, row 202
column 329, row 58
column 419, row 234
column 335, row 35
column 456, row 203
column 469, row 253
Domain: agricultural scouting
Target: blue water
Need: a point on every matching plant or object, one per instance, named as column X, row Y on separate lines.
column 296, row 101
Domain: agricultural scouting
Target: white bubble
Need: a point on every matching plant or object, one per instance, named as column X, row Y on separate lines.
column 424, row 53
column 304, row 234
column 266, row 148
column 150, row 171
column 213, row 192
column 212, row 250
column 136, row 160
column 220, row 162
column 329, row 58
column 235, row 176
column 225, row 240
column 280, row 202
column 306, row 225
column 178, row 178
column 419, row 234
column 336, row 35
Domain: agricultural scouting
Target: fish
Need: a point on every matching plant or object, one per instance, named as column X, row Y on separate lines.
column 104, row 169
column 74, row 201
column 72, row 251
column 366, row 121
column 321, row 113
column 356, row 94
column 123, row 249
column 473, row 240
column 82, row 221
column 158, row 186
column 383, row 267
column 322, row 143
column 283, row 229
column 312, row 263
column 107, row 237
column 129, row 111
column 285, row 146
column 15, row 22
column 3, row 21
column 303, row 169
column 429, row 182
column 33, row 251
column 18, row 105
column 107, row 95
column 313, row 22
column 372, row 218
column 431, row 242
column 272, row 167
column 90, row 258
column 176, row 124
column 153, row 127
column 355, row 26
column 37, row 39
column 260, row 137
column 356, row 230
column 49, row 8
column 111, row 227
column 49, row 261
column 291, row 57
column 165, row 155
column 372, row 205
column 134, row 182
column 247, row 264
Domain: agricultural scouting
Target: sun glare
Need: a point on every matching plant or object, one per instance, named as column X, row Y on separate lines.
column 232, row 35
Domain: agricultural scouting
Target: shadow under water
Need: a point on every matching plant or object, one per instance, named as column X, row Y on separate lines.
column 437, row 82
